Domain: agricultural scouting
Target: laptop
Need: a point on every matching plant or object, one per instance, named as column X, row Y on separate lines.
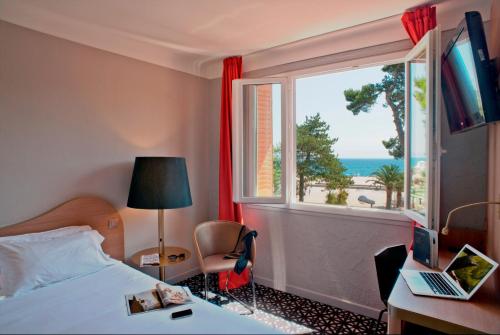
column 465, row 274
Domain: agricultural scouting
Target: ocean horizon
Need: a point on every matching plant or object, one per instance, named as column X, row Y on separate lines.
column 365, row 167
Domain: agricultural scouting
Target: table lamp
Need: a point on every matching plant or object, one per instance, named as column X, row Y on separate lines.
column 159, row 183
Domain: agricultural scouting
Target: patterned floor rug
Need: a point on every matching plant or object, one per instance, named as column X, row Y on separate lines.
column 288, row 312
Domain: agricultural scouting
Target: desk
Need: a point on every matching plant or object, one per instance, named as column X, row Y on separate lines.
column 480, row 314
column 164, row 261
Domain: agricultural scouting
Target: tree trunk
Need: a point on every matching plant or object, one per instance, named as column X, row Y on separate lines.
column 301, row 188
column 388, row 197
column 399, row 199
column 397, row 121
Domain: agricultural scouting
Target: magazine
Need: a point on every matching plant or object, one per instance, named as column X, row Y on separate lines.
column 161, row 297
column 153, row 259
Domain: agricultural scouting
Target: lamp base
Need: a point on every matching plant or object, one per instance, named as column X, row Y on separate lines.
column 161, row 232
column 161, row 240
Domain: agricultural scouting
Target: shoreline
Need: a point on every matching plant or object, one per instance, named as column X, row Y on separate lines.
column 363, row 186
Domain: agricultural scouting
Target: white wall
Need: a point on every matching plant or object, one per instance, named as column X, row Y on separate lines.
column 72, row 120
column 323, row 257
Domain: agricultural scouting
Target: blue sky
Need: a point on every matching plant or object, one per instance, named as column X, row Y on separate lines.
column 358, row 136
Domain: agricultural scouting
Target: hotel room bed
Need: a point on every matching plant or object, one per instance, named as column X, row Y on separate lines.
column 93, row 302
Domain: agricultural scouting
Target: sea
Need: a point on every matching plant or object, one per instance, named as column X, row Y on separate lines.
column 364, row 167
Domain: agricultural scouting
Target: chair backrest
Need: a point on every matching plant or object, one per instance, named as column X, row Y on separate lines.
column 217, row 237
column 388, row 262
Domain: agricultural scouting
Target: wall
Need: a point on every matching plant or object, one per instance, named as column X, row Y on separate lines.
column 463, row 183
column 72, row 120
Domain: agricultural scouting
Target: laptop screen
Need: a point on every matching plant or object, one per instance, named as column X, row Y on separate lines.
column 468, row 269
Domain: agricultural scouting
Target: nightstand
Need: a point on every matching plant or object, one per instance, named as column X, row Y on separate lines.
column 164, row 261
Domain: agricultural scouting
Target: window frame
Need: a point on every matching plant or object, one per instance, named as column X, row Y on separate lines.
column 238, row 141
column 290, row 204
column 377, row 213
column 432, row 46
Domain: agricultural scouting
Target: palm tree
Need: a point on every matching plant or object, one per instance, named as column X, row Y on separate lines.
column 387, row 176
column 399, row 187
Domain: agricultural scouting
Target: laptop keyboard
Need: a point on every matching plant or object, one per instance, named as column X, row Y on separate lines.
column 438, row 284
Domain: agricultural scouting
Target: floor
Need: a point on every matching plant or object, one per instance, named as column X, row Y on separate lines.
column 288, row 312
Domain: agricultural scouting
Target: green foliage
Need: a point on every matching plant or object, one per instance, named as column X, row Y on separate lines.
column 388, row 176
column 399, row 183
column 277, row 169
column 399, row 186
column 361, row 100
column 315, row 157
column 394, row 147
column 338, row 198
column 421, row 92
column 392, row 88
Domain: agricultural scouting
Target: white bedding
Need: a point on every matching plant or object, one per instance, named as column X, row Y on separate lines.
column 95, row 303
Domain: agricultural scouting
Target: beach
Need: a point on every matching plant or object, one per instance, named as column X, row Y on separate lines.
column 363, row 186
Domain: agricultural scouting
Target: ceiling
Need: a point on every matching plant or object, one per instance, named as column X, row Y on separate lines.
column 185, row 34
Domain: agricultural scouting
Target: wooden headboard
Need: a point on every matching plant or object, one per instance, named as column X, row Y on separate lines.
column 92, row 211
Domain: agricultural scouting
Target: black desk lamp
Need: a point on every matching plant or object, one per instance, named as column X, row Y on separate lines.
column 159, row 183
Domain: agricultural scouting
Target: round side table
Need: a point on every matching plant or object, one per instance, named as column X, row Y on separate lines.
column 164, row 261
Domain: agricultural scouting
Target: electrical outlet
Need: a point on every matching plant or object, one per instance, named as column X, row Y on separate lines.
column 112, row 223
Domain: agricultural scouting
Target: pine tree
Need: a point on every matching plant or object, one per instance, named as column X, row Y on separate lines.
column 392, row 88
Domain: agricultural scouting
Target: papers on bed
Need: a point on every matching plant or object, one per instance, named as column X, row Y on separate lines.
column 161, row 297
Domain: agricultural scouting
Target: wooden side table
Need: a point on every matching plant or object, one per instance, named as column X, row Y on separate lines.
column 164, row 261
column 478, row 315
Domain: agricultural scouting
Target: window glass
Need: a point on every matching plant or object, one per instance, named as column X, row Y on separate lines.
column 262, row 140
column 418, row 146
column 350, row 138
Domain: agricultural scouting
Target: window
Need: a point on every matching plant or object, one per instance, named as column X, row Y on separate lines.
column 349, row 136
column 363, row 138
column 258, row 145
column 422, row 142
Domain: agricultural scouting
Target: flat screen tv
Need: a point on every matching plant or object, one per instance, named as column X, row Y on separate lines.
column 468, row 77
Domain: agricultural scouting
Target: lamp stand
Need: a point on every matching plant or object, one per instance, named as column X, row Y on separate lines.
column 161, row 241
column 161, row 232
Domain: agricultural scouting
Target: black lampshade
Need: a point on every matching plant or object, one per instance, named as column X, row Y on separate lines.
column 159, row 183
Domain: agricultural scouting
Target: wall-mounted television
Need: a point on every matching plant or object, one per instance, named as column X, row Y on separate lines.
column 468, row 77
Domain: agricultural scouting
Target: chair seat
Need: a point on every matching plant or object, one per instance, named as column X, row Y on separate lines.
column 217, row 263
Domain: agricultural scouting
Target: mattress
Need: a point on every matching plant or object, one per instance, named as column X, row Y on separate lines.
column 95, row 303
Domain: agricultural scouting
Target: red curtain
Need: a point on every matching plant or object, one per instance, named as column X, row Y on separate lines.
column 228, row 210
column 418, row 22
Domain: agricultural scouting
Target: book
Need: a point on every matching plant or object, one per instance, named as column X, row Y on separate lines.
column 162, row 296
column 150, row 260
column 425, row 247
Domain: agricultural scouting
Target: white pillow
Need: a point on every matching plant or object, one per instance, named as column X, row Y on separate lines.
column 45, row 235
column 29, row 265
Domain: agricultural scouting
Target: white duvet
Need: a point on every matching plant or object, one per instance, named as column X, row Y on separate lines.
column 95, row 303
